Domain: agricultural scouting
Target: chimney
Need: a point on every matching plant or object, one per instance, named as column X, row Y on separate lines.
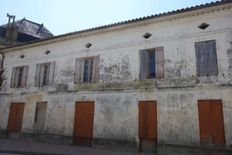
column 11, row 29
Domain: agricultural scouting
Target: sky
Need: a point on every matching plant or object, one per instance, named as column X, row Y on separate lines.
column 63, row 16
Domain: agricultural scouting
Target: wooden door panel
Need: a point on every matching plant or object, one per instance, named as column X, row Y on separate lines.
column 211, row 121
column 148, row 120
column 15, row 117
column 217, row 122
column 83, row 125
column 204, row 122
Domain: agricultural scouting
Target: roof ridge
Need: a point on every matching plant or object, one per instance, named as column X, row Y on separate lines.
column 30, row 21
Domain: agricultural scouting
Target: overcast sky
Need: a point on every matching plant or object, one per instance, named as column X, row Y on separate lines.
column 63, row 16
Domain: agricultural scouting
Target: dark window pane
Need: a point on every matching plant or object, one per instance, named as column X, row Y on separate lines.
column 45, row 75
column 86, row 70
column 152, row 64
column 20, row 74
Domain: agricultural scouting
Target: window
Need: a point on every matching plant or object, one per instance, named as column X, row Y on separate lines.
column 206, row 58
column 152, row 63
column 44, row 74
column 87, row 69
column 19, row 77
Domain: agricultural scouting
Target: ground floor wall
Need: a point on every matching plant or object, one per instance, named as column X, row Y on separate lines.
column 116, row 113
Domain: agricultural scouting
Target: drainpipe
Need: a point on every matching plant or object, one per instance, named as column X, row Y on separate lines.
column 3, row 56
column 1, row 69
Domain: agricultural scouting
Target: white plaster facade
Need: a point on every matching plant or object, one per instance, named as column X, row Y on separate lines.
column 119, row 89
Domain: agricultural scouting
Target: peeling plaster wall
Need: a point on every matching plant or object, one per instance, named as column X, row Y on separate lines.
column 119, row 90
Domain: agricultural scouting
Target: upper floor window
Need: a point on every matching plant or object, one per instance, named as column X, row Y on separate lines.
column 44, row 74
column 19, row 77
column 87, row 70
column 152, row 63
column 206, row 58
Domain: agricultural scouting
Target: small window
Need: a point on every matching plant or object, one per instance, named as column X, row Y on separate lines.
column 152, row 63
column 19, row 77
column 87, row 69
column 206, row 58
column 44, row 74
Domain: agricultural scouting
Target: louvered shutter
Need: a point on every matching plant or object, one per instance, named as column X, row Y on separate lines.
column 95, row 73
column 12, row 84
column 37, row 75
column 24, row 76
column 51, row 73
column 206, row 58
column 77, row 77
column 144, row 60
column 159, row 62
column 212, row 68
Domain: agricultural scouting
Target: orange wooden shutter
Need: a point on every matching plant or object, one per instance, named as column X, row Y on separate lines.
column 211, row 121
column 204, row 121
column 84, row 113
column 148, row 119
column 15, row 117
column 217, row 122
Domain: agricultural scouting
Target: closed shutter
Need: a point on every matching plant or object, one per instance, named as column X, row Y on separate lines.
column 24, row 76
column 51, row 73
column 217, row 122
column 212, row 58
column 148, row 120
column 78, row 71
column 211, row 121
column 15, row 117
column 159, row 62
column 37, row 75
column 95, row 73
column 206, row 58
column 204, row 121
column 13, row 84
column 144, row 63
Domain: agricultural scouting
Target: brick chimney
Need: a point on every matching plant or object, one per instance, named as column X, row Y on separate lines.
column 11, row 29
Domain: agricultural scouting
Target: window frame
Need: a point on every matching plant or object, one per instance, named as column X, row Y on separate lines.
column 19, row 76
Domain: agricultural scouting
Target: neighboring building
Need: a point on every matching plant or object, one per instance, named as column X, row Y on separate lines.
column 163, row 80
column 21, row 31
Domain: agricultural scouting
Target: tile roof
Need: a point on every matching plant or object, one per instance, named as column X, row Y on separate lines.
column 221, row 2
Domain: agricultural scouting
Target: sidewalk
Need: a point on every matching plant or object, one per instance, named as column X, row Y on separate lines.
column 33, row 148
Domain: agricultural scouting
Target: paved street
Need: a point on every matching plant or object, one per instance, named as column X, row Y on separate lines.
column 11, row 147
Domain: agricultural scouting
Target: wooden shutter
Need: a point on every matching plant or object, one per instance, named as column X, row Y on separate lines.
column 83, row 123
column 204, row 121
column 40, row 116
column 212, row 58
column 206, row 58
column 12, row 84
column 144, row 63
column 96, row 63
column 211, row 121
column 15, row 117
column 78, row 70
column 148, row 120
column 37, row 75
column 159, row 62
column 217, row 122
column 24, row 76
column 51, row 73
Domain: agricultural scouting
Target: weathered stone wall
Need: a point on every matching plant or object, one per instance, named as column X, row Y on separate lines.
column 119, row 90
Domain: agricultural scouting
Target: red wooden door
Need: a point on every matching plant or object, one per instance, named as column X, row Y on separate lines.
column 148, row 120
column 15, row 117
column 83, row 125
column 211, row 121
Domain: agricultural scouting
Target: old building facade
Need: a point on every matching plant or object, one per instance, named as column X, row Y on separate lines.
column 163, row 79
